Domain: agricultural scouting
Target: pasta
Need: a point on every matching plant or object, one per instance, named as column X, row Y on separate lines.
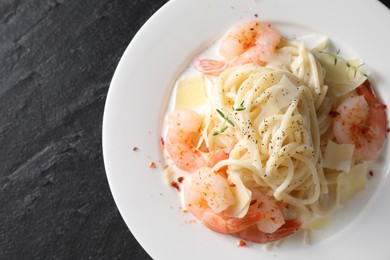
column 266, row 128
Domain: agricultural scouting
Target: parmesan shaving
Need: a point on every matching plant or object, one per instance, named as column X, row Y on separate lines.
column 348, row 184
column 242, row 196
column 341, row 76
column 318, row 222
column 315, row 42
column 338, row 156
column 191, row 92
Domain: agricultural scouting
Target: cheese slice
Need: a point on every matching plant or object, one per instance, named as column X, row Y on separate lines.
column 319, row 222
column 190, row 92
column 242, row 196
column 348, row 184
column 341, row 75
column 315, row 42
column 338, row 156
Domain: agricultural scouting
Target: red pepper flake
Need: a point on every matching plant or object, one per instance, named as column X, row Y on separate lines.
column 371, row 173
column 162, row 142
column 334, row 113
column 180, row 179
column 135, row 148
column 152, row 165
column 175, row 185
column 232, row 185
column 252, row 202
column 242, row 243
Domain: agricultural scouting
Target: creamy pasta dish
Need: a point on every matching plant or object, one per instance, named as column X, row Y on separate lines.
column 273, row 135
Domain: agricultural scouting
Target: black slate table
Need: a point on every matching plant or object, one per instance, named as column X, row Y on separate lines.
column 57, row 59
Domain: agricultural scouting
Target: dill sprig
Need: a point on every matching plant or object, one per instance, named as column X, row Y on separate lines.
column 337, row 57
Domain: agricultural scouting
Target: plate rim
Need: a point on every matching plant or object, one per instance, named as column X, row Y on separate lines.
column 105, row 128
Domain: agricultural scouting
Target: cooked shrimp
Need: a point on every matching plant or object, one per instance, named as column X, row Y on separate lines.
column 245, row 43
column 362, row 122
column 255, row 235
column 183, row 131
column 207, row 195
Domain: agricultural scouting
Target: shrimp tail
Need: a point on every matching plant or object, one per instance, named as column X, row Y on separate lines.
column 224, row 225
column 365, row 89
column 254, row 235
column 210, row 67
column 217, row 156
column 376, row 123
column 289, row 228
column 238, row 224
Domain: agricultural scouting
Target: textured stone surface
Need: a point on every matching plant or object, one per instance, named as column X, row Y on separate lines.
column 57, row 60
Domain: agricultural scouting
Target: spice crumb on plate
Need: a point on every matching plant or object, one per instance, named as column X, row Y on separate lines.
column 175, row 185
column 242, row 243
column 152, row 165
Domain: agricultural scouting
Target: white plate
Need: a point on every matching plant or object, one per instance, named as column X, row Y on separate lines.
column 138, row 94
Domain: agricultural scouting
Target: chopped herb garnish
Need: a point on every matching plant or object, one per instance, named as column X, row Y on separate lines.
column 240, row 108
column 337, row 57
column 223, row 129
column 225, row 117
